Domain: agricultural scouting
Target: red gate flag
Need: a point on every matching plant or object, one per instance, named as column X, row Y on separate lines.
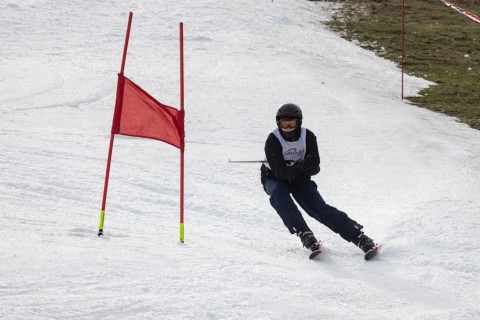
column 138, row 114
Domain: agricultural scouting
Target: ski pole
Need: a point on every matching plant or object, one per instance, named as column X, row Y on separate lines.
column 246, row 161
column 255, row 161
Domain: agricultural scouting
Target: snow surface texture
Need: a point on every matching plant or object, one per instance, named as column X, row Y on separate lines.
column 410, row 176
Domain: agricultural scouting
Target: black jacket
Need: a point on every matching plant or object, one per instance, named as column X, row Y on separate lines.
column 302, row 169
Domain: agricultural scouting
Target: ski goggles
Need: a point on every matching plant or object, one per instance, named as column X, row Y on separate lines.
column 288, row 123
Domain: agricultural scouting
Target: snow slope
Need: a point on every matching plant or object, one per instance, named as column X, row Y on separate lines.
column 412, row 177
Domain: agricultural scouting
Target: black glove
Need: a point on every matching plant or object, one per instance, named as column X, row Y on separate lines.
column 310, row 162
column 306, row 165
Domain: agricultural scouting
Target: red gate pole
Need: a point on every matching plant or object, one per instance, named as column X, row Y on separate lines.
column 110, row 149
column 182, row 137
column 403, row 42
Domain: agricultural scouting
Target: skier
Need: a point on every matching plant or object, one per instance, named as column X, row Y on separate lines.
column 291, row 159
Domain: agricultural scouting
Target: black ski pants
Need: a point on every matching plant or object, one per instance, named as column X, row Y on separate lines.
column 305, row 193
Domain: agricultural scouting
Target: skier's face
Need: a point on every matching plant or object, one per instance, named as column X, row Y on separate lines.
column 288, row 125
column 288, row 129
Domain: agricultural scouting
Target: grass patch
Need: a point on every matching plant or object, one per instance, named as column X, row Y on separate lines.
column 441, row 45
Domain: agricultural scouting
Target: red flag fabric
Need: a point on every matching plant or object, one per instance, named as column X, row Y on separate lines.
column 138, row 114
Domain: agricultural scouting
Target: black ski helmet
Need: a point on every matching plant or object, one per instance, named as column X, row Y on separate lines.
column 290, row 111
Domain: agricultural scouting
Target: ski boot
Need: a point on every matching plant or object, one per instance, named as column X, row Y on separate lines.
column 308, row 239
column 310, row 242
column 367, row 245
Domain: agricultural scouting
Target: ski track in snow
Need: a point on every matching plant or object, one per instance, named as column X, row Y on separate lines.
column 410, row 176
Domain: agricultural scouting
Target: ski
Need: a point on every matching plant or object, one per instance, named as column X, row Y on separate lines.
column 316, row 251
column 373, row 252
